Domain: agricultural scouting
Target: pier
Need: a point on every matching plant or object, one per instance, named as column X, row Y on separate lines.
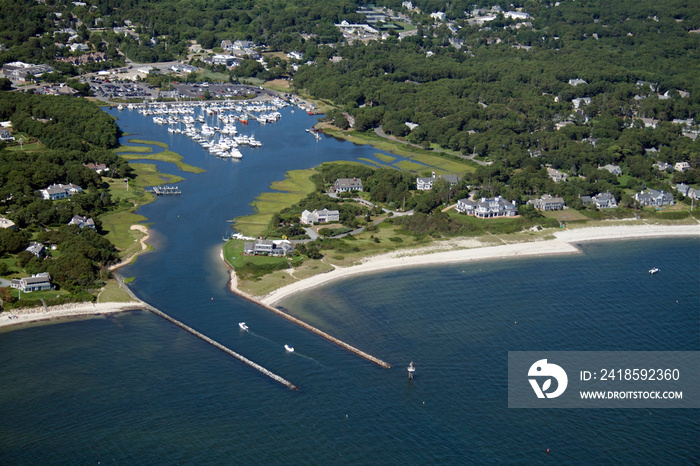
column 166, row 190
column 212, row 342
column 318, row 332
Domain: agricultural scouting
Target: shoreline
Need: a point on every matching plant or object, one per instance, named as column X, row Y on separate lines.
column 144, row 247
column 564, row 243
column 66, row 312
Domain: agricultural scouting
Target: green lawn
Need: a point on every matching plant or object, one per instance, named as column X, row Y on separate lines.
column 119, row 232
column 113, row 293
column 291, row 190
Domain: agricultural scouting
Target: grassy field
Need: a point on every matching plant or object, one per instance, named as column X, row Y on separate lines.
column 113, row 293
column 568, row 215
column 291, row 190
column 147, row 174
column 409, row 154
column 134, row 149
column 164, row 156
column 384, row 158
column 151, row 143
column 119, row 192
column 119, row 232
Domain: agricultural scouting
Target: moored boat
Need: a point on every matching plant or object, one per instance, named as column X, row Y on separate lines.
column 289, row 348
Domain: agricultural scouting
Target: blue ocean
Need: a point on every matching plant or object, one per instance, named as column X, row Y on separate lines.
column 134, row 389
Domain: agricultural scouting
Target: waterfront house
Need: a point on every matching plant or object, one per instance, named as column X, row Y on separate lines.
column 342, row 185
column 426, row 184
column 605, row 201
column 267, row 247
column 82, row 222
column 60, row 191
column 487, row 207
column 38, row 282
column 652, row 197
column 548, row 202
column 319, row 216
column 687, row 191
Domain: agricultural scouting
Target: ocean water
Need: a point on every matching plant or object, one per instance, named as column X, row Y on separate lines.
column 134, row 389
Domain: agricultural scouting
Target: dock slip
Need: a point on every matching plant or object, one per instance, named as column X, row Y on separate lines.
column 166, row 190
column 241, row 358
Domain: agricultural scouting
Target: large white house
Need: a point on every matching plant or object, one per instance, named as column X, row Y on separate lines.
column 342, row 185
column 487, row 207
column 38, row 282
column 548, row 202
column 268, row 247
column 319, row 216
column 426, row 184
column 60, row 191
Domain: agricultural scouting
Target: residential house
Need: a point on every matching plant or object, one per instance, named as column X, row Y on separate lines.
column 605, row 201
column 6, row 136
column 97, row 167
column 487, row 207
column 548, row 202
column 426, row 184
column 278, row 248
column 687, row 191
column 438, row 16
column 319, row 216
column 652, row 197
column 342, row 185
column 38, row 282
column 7, row 223
column 37, row 249
column 681, row 166
column 82, row 222
column 663, row 166
column 576, row 82
column 60, row 191
column 556, row 175
column 614, row 169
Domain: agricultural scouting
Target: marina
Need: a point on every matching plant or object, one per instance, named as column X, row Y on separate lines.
column 213, row 125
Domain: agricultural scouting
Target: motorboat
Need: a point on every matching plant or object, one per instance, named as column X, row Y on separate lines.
column 242, row 325
column 289, row 348
column 653, row 271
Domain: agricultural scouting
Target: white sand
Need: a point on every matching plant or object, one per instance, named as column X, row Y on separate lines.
column 467, row 250
column 65, row 311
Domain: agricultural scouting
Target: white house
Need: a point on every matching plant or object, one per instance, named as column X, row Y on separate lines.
column 268, row 247
column 38, row 282
column 438, row 16
column 548, row 202
column 319, row 216
column 82, row 222
column 426, row 184
column 487, row 207
column 342, row 185
column 681, row 166
column 60, row 191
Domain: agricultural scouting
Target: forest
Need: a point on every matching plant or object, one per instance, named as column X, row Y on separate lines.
column 74, row 132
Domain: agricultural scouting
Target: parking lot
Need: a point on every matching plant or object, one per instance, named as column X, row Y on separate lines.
column 121, row 91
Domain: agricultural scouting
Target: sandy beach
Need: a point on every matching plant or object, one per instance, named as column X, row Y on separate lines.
column 466, row 250
column 66, row 311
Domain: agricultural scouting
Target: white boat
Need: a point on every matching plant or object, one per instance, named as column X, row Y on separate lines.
column 411, row 370
column 242, row 325
column 289, row 348
column 653, row 271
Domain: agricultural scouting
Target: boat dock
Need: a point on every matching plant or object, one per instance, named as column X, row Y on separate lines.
column 166, row 190
column 318, row 332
